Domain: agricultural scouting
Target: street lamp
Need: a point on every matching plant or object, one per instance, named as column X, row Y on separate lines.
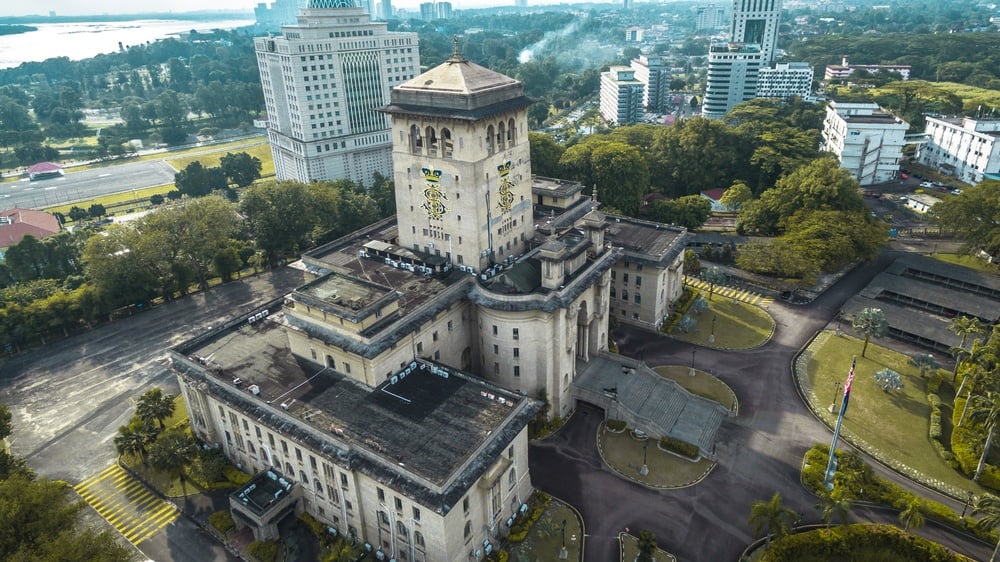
column 836, row 393
column 968, row 502
column 645, row 468
column 693, row 350
column 711, row 337
column 563, row 553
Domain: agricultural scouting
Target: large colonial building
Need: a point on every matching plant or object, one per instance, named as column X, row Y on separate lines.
column 389, row 397
column 323, row 78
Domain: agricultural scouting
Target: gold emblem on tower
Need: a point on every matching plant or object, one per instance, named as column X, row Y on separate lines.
column 506, row 189
column 434, row 198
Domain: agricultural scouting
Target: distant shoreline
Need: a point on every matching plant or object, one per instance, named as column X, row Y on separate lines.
column 26, row 21
column 6, row 29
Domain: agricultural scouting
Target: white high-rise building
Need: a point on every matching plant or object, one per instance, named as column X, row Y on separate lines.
column 785, row 80
column 710, row 18
column 964, row 147
column 621, row 96
column 732, row 77
column 278, row 13
column 655, row 78
column 867, row 141
column 322, row 78
column 756, row 22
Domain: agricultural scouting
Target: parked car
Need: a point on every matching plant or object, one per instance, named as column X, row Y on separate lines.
column 927, row 184
column 956, row 191
column 903, row 176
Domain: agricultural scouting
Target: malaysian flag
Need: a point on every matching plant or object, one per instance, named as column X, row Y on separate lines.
column 847, row 385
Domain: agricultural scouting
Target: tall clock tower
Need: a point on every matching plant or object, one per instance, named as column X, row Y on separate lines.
column 461, row 163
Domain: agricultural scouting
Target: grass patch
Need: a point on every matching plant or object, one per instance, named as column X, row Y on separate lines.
column 966, row 260
column 123, row 202
column 170, row 154
column 624, row 453
column 630, row 549
column 261, row 150
column 738, row 325
column 893, row 425
column 544, row 540
column 702, row 384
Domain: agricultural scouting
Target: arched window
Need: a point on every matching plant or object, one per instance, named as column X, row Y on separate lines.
column 511, row 133
column 448, row 147
column 252, row 450
column 289, row 470
column 401, row 529
column 432, row 142
column 319, row 488
column 416, row 142
column 305, row 480
column 501, row 135
column 489, row 140
column 418, row 538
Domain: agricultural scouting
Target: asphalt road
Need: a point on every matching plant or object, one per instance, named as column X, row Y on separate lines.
column 80, row 185
column 759, row 452
column 69, row 397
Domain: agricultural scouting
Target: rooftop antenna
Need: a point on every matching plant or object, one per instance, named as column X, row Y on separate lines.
column 593, row 199
column 455, row 55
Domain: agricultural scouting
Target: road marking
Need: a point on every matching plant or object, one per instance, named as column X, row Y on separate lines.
column 104, row 175
column 126, row 503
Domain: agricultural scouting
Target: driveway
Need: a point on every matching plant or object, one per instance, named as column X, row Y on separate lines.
column 759, row 452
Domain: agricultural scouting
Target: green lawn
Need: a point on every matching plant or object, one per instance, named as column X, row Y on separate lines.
column 624, row 453
column 892, row 426
column 702, row 384
column 630, row 549
column 966, row 260
column 738, row 325
column 124, row 201
column 544, row 540
column 260, row 150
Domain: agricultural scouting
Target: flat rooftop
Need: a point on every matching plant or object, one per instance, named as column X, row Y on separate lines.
column 650, row 240
column 554, row 187
column 428, row 421
column 263, row 491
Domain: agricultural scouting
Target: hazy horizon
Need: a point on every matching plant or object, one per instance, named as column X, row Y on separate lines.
column 139, row 7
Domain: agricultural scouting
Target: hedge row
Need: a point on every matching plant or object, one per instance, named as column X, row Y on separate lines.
column 967, row 443
column 860, row 541
column 616, row 425
column 264, row 551
column 680, row 447
column 536, row 507
column 936, row 432
column 222, row 521
column 688, row 297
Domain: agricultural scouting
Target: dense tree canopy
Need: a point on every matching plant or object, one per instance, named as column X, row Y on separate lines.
column 972, row 216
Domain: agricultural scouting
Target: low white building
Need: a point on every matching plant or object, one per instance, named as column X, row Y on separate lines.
column 621, row 96
column 921, row 202
column 785, row 80
column 867, row 141
column 964, row 147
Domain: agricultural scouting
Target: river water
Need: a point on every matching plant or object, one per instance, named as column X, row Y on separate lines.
column 81, row 40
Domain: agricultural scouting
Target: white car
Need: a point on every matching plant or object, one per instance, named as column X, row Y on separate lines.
column 927, row 184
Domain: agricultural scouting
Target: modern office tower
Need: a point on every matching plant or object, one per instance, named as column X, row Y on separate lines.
column 443, row 10
column 386, row 10
column 867, row 141
column 756, row 22
column 427, row 11
column 710, row 18
column 279, row 13
column 964, row 147
column 323, row 78
column 785, row 80
column 621, row 96
column 732, row 77
column 655, row 77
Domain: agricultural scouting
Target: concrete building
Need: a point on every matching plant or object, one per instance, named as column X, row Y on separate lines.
column 278, row 13
column 655, row 78
column 430, row 11
column 322, row 78
column 389, row 397
column 756, row 22
column 621, row 96
column 845, row 70
column 785, row 80
column 921, row 202
column 634, row 33
column 963, row 147
column 710, row 18
column 386, row 10
column 733, row 69
column 16, row 223
column 867, row 141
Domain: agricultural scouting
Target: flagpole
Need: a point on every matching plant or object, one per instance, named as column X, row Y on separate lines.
column 831, row 465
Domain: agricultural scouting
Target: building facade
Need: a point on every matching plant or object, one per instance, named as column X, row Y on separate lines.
column 786, row 80
column 710, row 18
column 621, row 96
column 867, row 141
column 278, row 13
column 323, row 78
column 733, row 69
column 655, row 77
column 756, row 22
column 963, row 147
column 845, row 69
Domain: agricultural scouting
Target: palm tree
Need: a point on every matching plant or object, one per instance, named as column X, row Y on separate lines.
column 871, row 323
column 965, row 326
column 834, row 506
column 988, row 506
column 134, row 439
column 959, row 353
column 924, row 361
column 172, row 453
column 975, row 376
column 912, row 517
column 154, row 405
column 771, row 517
column 987, row 411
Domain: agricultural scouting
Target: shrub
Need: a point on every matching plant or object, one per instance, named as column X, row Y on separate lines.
column 536, row 507
column 498, row 556
column 680, row 447
column 616, row 425
column 264, row 551
column 222, row 521
column 934, row 382
column 852, row 542
column 315, row 526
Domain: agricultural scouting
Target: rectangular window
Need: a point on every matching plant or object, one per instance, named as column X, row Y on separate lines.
column 517, row 352
column 638, row 280
column 420, row 347
column 449, row 326
column 465, row 505
column 381, row 494
column 625, row 278
column 496, row 349
column 399, row 504
column 517, row 370
column 494, row 329
column 517, row 333
column 416, row 514
column 434, row 336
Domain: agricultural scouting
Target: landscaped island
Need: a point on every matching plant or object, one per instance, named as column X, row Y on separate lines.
column 16, row 29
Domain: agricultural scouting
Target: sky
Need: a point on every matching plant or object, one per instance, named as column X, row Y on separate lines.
column 90, row 7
